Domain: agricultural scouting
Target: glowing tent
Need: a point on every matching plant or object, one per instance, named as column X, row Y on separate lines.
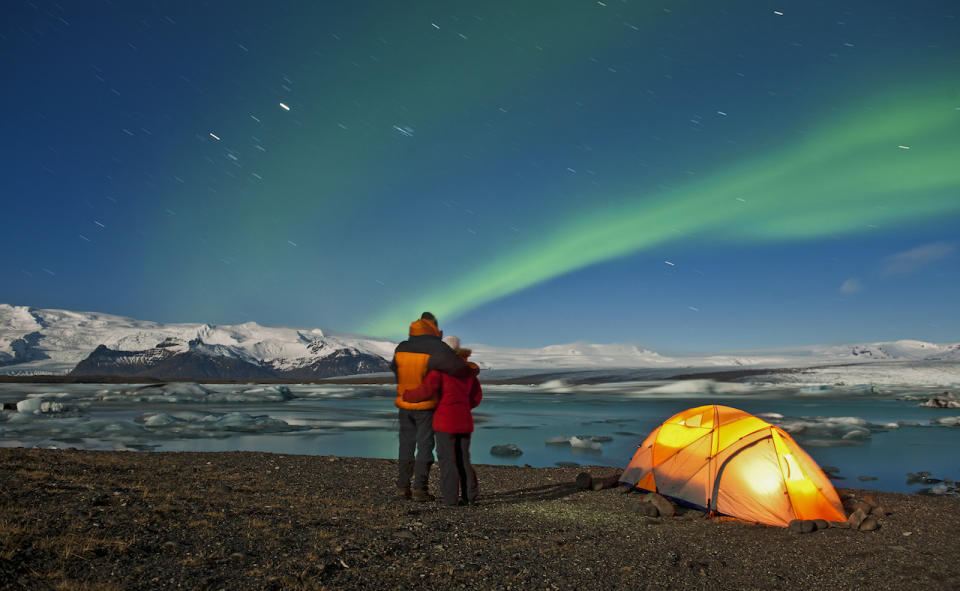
column 731, row 462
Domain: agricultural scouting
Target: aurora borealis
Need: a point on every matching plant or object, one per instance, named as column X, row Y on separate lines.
column 679, row 175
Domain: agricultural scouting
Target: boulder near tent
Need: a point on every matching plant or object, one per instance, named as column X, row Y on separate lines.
column 730, row 462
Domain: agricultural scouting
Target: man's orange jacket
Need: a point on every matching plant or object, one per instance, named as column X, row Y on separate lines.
column 422, row 352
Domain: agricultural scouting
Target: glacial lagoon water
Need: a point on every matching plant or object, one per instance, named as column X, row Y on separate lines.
column 874, row 438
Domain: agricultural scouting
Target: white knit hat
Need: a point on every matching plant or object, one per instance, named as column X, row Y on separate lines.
column 452, row 341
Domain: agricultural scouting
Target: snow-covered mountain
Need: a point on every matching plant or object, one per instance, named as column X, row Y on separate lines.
column 38, row 341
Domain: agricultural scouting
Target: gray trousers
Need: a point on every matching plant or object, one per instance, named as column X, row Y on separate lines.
column 416, row 435
column 456, row 471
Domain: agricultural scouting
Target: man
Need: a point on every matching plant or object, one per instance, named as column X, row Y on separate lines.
column 422, row 352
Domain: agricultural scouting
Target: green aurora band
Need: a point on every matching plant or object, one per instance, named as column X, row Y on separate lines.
column 893, row 162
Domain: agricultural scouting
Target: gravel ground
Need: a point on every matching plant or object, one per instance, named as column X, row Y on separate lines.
column 123, row 520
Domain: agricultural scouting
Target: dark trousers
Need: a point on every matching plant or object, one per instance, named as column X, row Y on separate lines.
column 416, row 435
column 456, row 471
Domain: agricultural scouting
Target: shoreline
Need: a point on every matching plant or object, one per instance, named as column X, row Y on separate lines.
column 251, row 520
column 932, row 375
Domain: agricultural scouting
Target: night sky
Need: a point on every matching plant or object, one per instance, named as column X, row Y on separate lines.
column 680, row 175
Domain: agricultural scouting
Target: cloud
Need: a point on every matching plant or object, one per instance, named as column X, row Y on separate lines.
column 851, row 286
column 915, row 259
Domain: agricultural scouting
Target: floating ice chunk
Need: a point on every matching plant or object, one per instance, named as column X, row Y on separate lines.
column 507, row 450
column 256, row 394
column 29, row 405
column 947, row 421
column 332, row 392
column 559, row 386
column 51, row 406
column 238, row 421
column 365, row 424
column 581, row 441
column 585, row 443
column 159, row 419
column 825, row 431
column 947, row 400
column 39, row 405
column 856, row 433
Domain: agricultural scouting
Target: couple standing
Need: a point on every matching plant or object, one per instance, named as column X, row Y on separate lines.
column 436, row 389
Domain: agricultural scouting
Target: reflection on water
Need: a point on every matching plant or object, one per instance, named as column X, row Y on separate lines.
column 862, row 433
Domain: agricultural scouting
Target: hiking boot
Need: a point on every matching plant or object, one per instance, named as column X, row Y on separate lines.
column 422, row 496
column 404, row 492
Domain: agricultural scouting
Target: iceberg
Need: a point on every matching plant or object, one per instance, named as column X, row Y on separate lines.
column 192, row 392
column 39, row 405
column 194, row 425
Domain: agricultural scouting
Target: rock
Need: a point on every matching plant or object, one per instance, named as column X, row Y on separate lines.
column 868, row 499
column 649, row 510
column 644, row 508
column 821, row 524
column 796, row 526
column 169, row 546
column 866, row 478
column 808, row 526
column 862, row 506
column 877, row 512
column 664, row 507
column 840, row 524
column 584, row 481
column 857, row 517
column 869, row 524
column 506, row 451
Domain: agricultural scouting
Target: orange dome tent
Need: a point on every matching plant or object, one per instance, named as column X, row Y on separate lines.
column 731, row 462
